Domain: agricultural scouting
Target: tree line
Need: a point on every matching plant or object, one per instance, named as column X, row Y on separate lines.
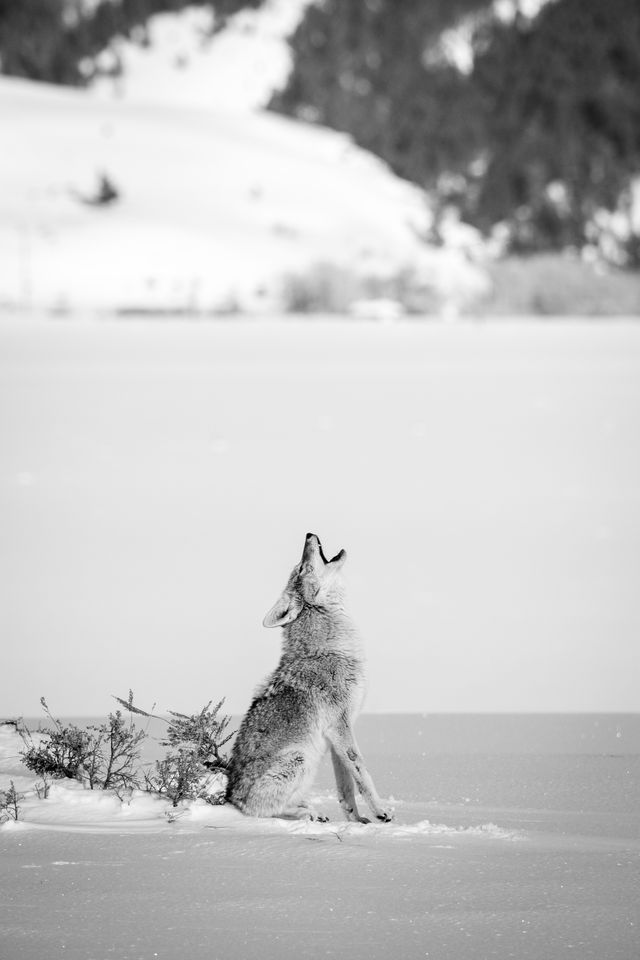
column 534, row 126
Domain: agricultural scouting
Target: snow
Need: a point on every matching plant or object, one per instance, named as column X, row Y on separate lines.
column 219, row 202
column 70, row 806
column 185, row 62
column 548, row 875
column 216, row 207
column 506, row 10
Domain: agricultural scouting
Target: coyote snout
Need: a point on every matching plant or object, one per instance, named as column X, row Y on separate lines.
column 308, row 703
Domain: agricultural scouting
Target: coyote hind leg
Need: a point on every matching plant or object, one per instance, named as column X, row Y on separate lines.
column 277, row 792
column 301, row 811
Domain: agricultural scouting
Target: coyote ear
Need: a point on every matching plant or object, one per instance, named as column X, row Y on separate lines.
column 285, row 610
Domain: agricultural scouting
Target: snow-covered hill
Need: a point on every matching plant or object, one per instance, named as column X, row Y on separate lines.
column 220, row 204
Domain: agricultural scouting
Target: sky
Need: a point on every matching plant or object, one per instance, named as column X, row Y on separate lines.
column 157, row 481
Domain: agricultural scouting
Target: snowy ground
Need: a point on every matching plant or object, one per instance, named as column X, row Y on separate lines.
column 541, row 860
column 215, row 207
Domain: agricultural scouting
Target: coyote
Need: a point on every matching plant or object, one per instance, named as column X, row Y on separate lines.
column 307, row 704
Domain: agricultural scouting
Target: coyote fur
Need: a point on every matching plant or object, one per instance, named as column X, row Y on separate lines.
column 308, row 703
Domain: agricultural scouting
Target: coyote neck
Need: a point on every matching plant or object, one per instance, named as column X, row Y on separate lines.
column 321, row 630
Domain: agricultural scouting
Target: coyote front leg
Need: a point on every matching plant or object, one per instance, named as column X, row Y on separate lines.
column 344, row 747
column 346, row 792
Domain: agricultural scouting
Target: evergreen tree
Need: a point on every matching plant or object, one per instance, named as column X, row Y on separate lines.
column 540, row 133
column 562, row 109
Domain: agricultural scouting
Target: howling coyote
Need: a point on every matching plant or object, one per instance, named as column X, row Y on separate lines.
column 307, row 704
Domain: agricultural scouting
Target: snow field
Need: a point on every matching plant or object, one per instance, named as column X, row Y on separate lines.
column 83, row 881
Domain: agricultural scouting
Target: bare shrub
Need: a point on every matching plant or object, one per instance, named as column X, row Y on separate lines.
column 196, row 741
column 204, row 733
column 10, row 803
column 333, row 289
column 322, row 288
column 107, row 756
column 177, row 777
column 104, row 757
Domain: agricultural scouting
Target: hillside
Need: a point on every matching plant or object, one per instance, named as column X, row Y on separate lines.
column 219, row 206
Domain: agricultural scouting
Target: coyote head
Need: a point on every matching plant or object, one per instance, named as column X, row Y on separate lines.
column 314, row 582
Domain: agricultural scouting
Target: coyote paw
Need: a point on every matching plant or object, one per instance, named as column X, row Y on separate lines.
column 384, row 816
column 354, row 817
column 320, row 819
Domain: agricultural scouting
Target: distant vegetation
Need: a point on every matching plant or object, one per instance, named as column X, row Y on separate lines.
column 533, row 124
column 530, row 127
